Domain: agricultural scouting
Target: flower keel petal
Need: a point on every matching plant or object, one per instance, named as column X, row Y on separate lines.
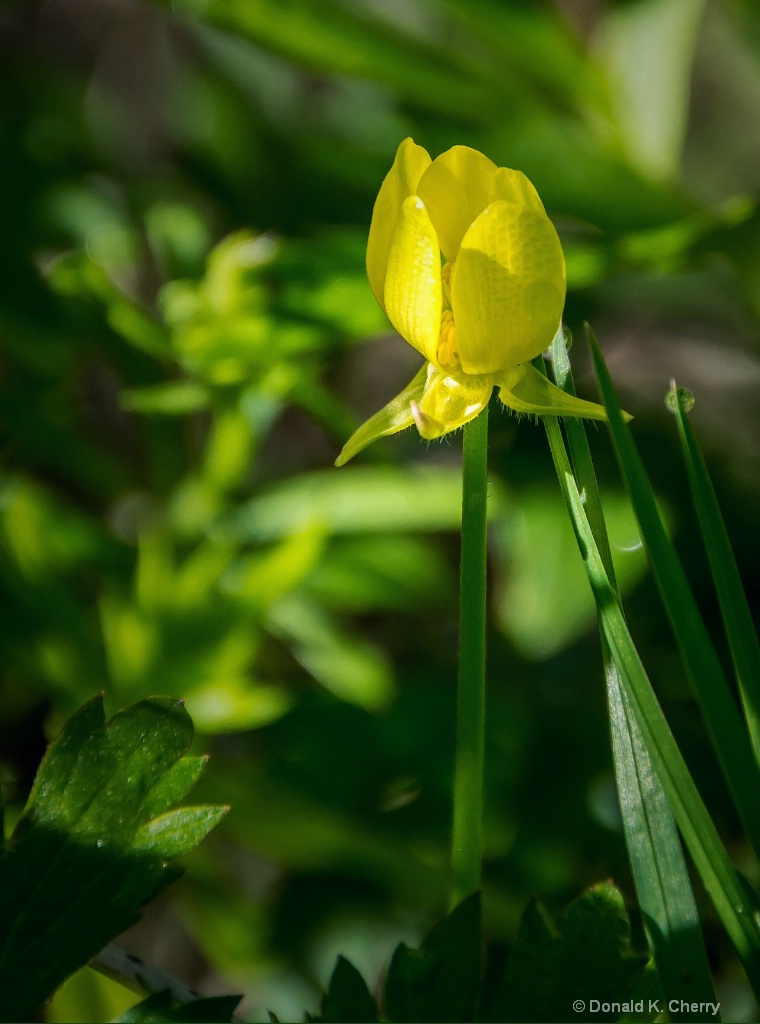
column 449, row 402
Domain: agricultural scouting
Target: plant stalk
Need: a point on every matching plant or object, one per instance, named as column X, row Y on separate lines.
column 467, row 839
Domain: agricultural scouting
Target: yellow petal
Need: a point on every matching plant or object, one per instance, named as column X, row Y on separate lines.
column 448, row 402
column 516, row 188
column 507, row 288
column 401, row 181
column 413, row 290
column 526, row 390
column 460, row 184
column 395, row 416
column 457, row 186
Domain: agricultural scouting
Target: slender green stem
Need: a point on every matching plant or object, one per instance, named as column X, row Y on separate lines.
column 467, row 838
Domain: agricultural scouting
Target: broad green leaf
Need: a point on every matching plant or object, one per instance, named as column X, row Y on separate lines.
column 356, row 500
column 94, row 842
column 532, row 42
column 237, row 703
column 347, row 998
column 540, row 609
column 78, row 273
column 440, row 980
column 348, row 666
column 259, row 579
column 737, row 617
column 331, row 38
column 648, row 48
column 659, row 869
column 587, row 956
column 176, row 398
column 227, row 457
column 382, row 572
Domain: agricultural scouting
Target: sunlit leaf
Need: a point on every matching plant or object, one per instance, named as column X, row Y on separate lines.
column 94, row 843
column 648, row 48
column 349, row 667
column 542, row 601
column 356, row 500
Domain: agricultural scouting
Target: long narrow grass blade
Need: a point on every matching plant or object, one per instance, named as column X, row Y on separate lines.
column 659, row 869
column 704, row 670
column 732, row 902
column 737, row 618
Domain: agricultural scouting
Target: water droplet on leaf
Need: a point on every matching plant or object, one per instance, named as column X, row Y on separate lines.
column 682, row 396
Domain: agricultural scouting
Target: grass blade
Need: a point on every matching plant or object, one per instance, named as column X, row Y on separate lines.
column 705, row 673
column 729, row 896
column 737, row 618
column 659, row 869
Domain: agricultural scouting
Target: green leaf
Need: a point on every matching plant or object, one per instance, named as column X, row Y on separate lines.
column 382, row 572
column 531, row 43
column 659, row 868
column 663, row 887
column 440, row 980
column 587, row 956
column 543, row 611
column 156, row 1009
column 737, row 617
column 347, row 998
column 648, row 49
column 360, row 499
column 329, row 38
column 350, row 667
column 160, row 1008
column 706, row 676
column 94, row 842
column 175, row 398
column 721, row 881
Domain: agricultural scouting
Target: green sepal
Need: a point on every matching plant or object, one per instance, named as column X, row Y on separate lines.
column 396, row 415
column 526, row 390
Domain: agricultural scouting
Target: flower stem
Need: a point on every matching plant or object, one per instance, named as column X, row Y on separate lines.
column 467, row 837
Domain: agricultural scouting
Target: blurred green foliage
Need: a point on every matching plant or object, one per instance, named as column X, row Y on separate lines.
column 187, row 338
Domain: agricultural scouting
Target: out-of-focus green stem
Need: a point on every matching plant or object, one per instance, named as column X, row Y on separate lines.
column 467, row 837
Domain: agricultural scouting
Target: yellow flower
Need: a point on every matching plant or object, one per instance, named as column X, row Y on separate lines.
column 469, row 270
